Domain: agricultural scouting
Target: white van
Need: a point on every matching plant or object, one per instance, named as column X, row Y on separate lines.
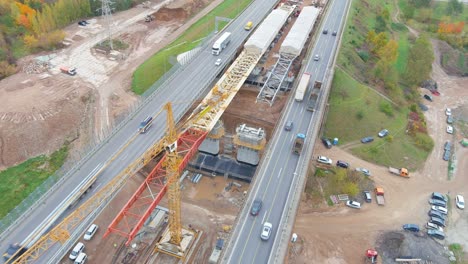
column 81, row 259
column 91, row 231
column 77, row 250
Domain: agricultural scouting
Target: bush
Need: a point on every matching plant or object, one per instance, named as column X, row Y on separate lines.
column 423, row 141
column 386, row 108
column 6, row 69
column 360, row 115
column 350, row 188
column 364, row 55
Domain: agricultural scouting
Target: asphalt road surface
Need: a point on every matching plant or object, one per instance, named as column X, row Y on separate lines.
column 280, row 165
column 194, row 79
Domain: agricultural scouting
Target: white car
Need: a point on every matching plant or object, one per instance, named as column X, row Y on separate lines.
column 266, row 231
column 434, row 226
column 353, row 204
column 218, row 62
column 441, row 209
column 460, row 201
column 448, row 111
column 316, row 57
column 325, row 160
column 450, row 129
column 364, row 171
column 90, row 232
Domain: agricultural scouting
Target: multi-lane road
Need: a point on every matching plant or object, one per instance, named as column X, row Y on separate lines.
column 186, row 86
column 280, row 165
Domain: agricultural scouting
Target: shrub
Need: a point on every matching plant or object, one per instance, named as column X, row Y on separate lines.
column 386, row 108
column 360, row 115
column 350, row 188
column 423, row 141
column 364, row 55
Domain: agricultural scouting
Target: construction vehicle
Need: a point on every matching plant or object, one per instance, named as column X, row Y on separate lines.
column 379, row 195
column 149, row 18
column 69, row 71
column 298, row 143
column 371, row 255
column 313, row 96
column 302, row 87
column 221, row 43
column 400, row 172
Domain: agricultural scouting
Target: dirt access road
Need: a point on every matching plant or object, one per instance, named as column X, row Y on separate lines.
column 341, row 235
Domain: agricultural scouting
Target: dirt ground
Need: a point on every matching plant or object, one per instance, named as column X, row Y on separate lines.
column 82, row 108
column 341, row 235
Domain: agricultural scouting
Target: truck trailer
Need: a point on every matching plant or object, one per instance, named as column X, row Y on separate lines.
column 221, row 43
column 314, row 96
column 400, row 172
column 298, row 143
column 379, row 196
column 302, row 87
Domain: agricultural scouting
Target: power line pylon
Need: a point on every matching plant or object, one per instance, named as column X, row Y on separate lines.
column 106, row 13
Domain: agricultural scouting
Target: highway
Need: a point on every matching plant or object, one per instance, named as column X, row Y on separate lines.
column 187, row 85
column 280, row 165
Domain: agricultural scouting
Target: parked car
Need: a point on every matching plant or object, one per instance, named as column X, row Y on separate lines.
column 364, row 171
column 448, row 111
column 383, row 133
column 437, row 202
column 436, row 233
column 79, row 247
column 90, row 232
column 450, row 129
column 428, row 97
column 342, row 164
column 334, row 33
column 218, row 62
column 256, row 206
column 460, row 201
column 446, row 155
column 325, row 31
column 83, row 23
column 441, row 209
column 411, row 227
column 266, row 231
column 438, row 221
column 434, row 226
column 367, row 196
column 367, row 140
column 449, row 119
column 326, row 142
column 447, row 145
column 288, row 126
column 316, row 57
column 436, row 214
column 325, row 160
column 439, row 196
column 353, row 204
column 423, row 107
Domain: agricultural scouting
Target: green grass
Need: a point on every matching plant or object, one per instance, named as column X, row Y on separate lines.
column 403, row 49
column 457, row 250
column 155, row 67
column 19, row 181
column 355, row 113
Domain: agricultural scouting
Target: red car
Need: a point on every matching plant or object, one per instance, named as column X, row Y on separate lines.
column 435, row 92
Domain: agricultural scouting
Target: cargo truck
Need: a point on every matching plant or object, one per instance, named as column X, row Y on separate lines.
column 221, row 43
column 69, row 71
column 302, row 87
column 400, row 172
column 379, row 196
column 313, row 96
column 298, row 143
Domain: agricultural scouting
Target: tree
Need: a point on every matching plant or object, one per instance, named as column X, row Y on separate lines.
column 420, row 58
column 377, row 41
column 408, row 12
column 425, row 15
column 380, row 24
column 388, row 53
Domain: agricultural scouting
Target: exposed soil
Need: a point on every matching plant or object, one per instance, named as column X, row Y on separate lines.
column 341, row 235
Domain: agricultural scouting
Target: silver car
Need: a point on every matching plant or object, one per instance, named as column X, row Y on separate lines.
column 266, row 231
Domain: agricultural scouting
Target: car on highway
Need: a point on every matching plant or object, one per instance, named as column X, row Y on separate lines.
column 12, row 252
column 449, row 119
column 364, row 171
column 448, row 111
column 436, row 214
column 439, row 196
column 411, row 227
column 460, row 202
column 218, row 62
column 90, row 232
column 325, row 31
column 316, row 57
column 367, row 196
column 450, row 129
column 342, row 164
column 383, row 133
column 428, row 97
column 437, row 202
column 256, row 206
column 441, row 209
column 334, row 33
column 434, row 226
column 288, row 126
column 326, row 142
column 325, row 160
column 266, row 231
column 367, row 140
column 353, row 204
column 436, row 233
column 438, row 221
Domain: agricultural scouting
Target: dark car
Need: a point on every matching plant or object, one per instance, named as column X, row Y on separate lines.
column 83, row 23
column 439, row 196
column 411, row 227
column 325, row 31
column 437, row 202
column 436, row 233
column 428, row 97
column 367, row 140
column 367, row 196
column 342, row 164
column 288, row 126
column 11, row 252
column 434, row 213
column 449, row 119
column 256, row 206
column 334, row 33
column 326, row 142
column 446, row 155
column 447, row 145
column 423, row 107
column 438, row 221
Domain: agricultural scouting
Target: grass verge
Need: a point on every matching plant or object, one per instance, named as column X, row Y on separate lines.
column 155, row 67
column 21, row 180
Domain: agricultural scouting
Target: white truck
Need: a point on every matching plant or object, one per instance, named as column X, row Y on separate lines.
column 221, row 43
column 302, row 87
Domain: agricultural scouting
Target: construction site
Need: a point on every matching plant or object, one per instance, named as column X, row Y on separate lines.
column 182, row 203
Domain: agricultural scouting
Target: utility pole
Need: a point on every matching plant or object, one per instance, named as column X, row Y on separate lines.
column 106, row 13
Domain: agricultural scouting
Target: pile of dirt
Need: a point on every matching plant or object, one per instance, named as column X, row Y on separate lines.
column 168, row 14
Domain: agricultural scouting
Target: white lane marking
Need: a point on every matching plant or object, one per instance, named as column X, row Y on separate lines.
column 279, row 174
column 124, row 157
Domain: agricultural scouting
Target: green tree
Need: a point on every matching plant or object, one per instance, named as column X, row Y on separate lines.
column 420, row 58
column 408, row 12
column 425, row 15
column 380, row 24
